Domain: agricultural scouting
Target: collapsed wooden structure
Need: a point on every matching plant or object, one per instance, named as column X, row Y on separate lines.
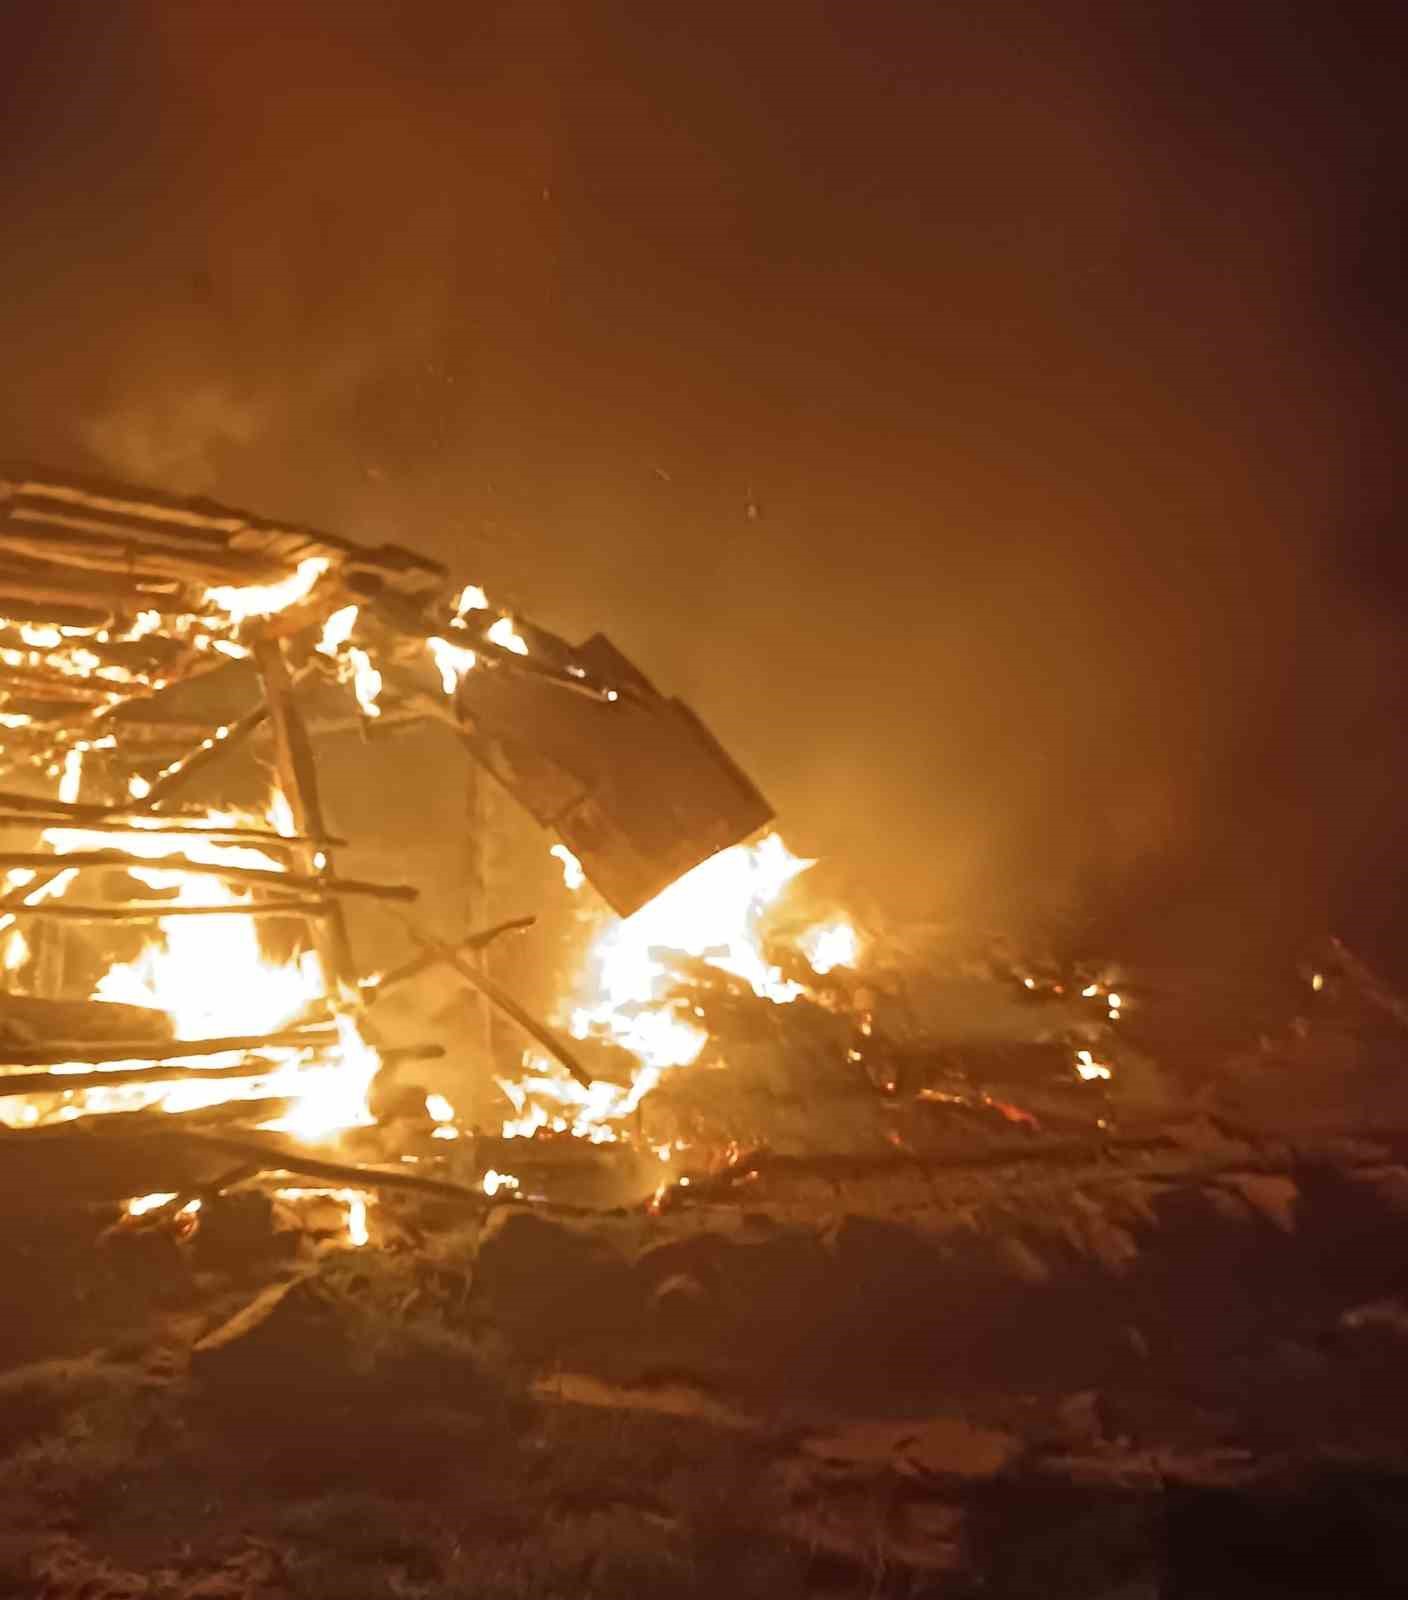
column 114, row 602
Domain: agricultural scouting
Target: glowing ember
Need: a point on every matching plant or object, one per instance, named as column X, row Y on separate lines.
column 572, row 874
column 471, row 598
column 494, row 1181
column 1088, row 1067
column 439, row 1109
column 143, row 1203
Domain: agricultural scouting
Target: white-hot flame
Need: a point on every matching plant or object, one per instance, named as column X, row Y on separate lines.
column 452, row 661
column 572, row 873
column 504, row 635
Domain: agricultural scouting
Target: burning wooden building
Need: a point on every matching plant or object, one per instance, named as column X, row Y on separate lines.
column 179, row 969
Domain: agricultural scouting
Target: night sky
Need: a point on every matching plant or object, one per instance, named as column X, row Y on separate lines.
column 980, row 411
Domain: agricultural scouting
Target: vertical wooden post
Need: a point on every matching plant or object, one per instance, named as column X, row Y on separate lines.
column 298, row 776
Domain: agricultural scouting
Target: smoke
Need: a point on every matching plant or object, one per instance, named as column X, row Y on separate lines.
column 972, row 411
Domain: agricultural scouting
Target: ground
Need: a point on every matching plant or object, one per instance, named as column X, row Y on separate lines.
column 1161, row 1366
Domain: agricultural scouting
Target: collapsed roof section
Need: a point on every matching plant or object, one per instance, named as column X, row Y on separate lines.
column 112, row 595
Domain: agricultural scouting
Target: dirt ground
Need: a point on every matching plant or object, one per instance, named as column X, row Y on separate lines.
column 1162, row 1366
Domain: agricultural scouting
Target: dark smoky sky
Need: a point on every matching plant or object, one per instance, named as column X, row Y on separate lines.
column 979, row 410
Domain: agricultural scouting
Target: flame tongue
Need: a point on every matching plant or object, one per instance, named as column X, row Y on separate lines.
column 716, row 915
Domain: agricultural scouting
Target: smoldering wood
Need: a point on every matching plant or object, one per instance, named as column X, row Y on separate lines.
column 537, row 1031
